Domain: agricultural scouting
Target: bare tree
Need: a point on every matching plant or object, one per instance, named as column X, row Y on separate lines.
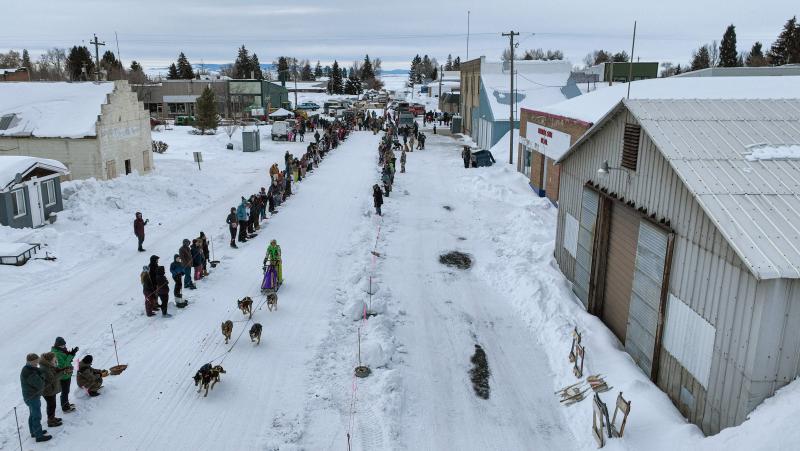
column 230, row 128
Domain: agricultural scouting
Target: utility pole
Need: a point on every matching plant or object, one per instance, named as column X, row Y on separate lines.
column 97, row 45
column 630, row 62
column 468, row 13
column 295, row 83
column 441, row 73
column 513, row 100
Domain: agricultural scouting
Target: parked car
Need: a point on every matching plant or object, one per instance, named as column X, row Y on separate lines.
column 482, row 158
column 184, row 120
column 417, row 109
column 155, row 122
column 308, row 106
column 280, row 130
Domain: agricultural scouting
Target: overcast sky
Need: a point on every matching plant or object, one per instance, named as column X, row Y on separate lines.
column 154, row 31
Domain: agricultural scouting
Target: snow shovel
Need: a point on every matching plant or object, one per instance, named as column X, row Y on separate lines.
column 117, row 369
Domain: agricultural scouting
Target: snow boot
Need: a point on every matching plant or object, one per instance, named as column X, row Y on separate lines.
column 166, row 315
column 68, row 408
column 43, row 438
column 94, row 393
column 43, row 433
column 53, row 422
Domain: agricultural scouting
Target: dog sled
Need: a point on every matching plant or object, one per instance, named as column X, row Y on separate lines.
column 271, row 282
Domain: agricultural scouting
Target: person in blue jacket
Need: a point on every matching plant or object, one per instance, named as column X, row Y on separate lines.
column 242, row 215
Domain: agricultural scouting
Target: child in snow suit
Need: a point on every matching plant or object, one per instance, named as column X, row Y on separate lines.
column 176, row 269
column 64, row 360
column 89, row 378
column 377, row 197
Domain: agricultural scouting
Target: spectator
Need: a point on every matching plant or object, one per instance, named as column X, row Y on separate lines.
column 185, row 254
column 162, row 289
column 197, row 259
column 233, row 224
column 138, row 229
column 51, row 374
column 242, row 217
column 64, row 359
column 32, row 383
column 89, row 378
column 176, row 269
column 203, row 241
column 149, row 291
column 377, row 197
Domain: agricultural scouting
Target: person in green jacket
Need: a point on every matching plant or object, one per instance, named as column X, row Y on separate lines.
column 32, row 382
column 64, row 360
column 274, row 254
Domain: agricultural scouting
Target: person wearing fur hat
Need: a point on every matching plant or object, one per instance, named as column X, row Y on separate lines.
column 49, row 367
column 32, row 382
column 89, row 378
column 64, row 360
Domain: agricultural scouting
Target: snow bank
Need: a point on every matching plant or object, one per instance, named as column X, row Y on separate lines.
column 765, row 152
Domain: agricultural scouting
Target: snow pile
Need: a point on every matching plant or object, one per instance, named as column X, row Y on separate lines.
column 765, row 152
column 53, row 110
column 500, row 148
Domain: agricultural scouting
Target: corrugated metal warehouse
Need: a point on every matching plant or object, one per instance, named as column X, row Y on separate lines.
column 679, row 226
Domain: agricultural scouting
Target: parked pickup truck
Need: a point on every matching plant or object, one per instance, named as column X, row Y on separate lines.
column 308, row 106
column 280, row 130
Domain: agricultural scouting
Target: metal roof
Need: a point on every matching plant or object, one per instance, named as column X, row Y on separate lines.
column 754, row 204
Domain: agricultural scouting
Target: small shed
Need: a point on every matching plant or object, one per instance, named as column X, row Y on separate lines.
column 30, row 190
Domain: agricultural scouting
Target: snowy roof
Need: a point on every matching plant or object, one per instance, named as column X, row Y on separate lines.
column 710, row 144
column 52, row 110
column 592, row 106
column 537, row 83
column 280, row 112
column 12, row 165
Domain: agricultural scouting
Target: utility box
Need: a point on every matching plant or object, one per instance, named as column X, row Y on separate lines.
column 455, row 124
column 251, row 141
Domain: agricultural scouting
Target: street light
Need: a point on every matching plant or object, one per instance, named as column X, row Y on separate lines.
column 605, row 168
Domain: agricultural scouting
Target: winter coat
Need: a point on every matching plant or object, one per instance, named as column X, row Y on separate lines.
column 52, row 386
column 64, row 360
column 162, row 285
column 32, row 382
column 138, row 227
column 147, row 284
column 176, row 268
column 88, row 377
column 377, row 197
column 232, row 221
column 241, row 211
column 274, row 252
column 197, row 255
column 185, row 255
column 403, row 157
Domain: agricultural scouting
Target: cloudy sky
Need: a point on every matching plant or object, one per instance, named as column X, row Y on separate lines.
column 154, row 31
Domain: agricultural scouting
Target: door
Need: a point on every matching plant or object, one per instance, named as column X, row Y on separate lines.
column 621, row 258
column 128, row 169
column 583, row 257
column 35, row 203
column 111, row 169
column 650, row 281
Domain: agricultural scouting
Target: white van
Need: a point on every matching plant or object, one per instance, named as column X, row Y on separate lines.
column 280, row 130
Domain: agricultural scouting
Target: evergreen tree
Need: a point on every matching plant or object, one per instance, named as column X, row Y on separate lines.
column 78, row 58
column 242, row 67
column 26, row 60
column 353, row 85
column 620, row 57
column 307, row 74
column 457, row 63
column 112, row 66
column 756, row 56
column 172, row 72
column 728, row 56
column 435, row 74
column 678, row 70
column 206, row 112
column 327, row 71
column 701, row 58
column 185, row 71
column 344, row 73
column 786, row 49
column 448, row 65
column 335, row 85
column 283, row 69
column 317, row 70
column 367, row 72
column 255, row 68
column 136, row 73
column 414, row 76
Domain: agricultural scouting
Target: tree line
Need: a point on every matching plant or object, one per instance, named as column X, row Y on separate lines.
column 75, row 64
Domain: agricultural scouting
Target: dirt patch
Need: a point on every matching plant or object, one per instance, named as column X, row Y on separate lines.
column 447, row 207
column 461, row 238
column 479, row 374
column 455, row 258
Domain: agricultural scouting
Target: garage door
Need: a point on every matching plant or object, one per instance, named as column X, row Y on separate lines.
column 623, row 235
column 583, row 259
column 648, row 278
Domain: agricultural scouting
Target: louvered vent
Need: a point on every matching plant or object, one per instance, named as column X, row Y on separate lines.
column 5, row 121
column 630, row 146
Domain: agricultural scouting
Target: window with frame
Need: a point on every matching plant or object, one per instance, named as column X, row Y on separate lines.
column 50, row 191
column 18, row 203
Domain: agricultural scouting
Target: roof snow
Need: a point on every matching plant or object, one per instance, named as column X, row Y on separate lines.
column 765, row 152
column 592, row 106
column 12, row 165
column 52, row 110
column 536, row 84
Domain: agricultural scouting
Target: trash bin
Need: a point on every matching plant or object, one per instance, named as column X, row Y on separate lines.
column 251, row 141
column 455, row 124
